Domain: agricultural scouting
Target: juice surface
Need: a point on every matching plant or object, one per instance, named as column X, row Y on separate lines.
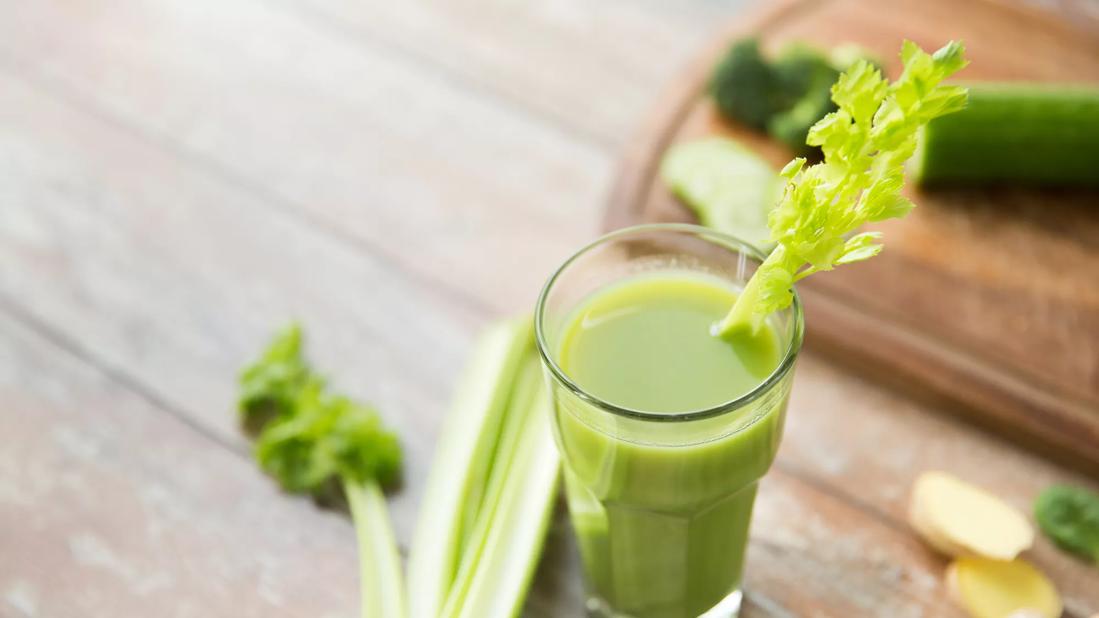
column 645, row 344
column 661, row 508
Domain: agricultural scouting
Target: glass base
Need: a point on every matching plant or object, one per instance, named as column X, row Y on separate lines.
column 729, row 607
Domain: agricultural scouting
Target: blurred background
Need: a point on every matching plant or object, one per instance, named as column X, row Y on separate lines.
column 180, row 177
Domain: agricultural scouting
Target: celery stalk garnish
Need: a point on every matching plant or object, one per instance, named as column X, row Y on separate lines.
column 866, row 143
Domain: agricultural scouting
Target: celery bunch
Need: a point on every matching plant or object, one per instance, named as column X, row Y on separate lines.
column 490, row 492
column 866, row 143
column 491, row 487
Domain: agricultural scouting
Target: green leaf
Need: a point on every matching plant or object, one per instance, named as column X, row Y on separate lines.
column 1070, row 517
column 270, row 384
column 859, row 91
column 865, row 144
column 792, row 168
column 860, row 247
column 316, row 442
column 325, row 439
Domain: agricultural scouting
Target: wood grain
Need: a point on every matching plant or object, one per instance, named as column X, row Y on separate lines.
column 169, row 276
column 982, row 298
column 89, row 276
column 123, row 530
column 581, row 65
column 150, row 224
column 106, row 502
column 82, row 250
column 355, row 140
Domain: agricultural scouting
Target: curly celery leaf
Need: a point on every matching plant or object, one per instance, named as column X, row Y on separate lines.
column 314, row 442
column 327, row 438
column 866, row 143
column 1070, row 517
column 269, row 385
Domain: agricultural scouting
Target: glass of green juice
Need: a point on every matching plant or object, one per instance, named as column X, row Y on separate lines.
column 664, row 428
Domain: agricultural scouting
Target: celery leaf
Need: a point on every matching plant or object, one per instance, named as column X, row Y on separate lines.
column 866, row 143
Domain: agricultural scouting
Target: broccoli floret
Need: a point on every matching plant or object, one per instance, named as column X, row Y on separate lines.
column 784, row 97
column 800, row 69
column 744, row 87
column 792, row 126
column 806, row 77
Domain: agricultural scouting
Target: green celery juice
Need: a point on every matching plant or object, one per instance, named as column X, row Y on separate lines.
column 661, row 493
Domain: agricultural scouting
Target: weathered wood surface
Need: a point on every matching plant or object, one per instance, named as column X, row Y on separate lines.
column 111, row 507
column 984, row 298
column 355, row 139
column 177, row 178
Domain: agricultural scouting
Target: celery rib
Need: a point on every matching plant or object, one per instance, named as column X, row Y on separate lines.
column 463, row 461
column 505, row 544
column 380, row 584
column 516, row 532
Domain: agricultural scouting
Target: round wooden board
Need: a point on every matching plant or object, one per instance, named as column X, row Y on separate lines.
column 986, row 300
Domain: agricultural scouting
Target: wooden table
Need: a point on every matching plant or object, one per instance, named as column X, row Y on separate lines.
column 179, row 177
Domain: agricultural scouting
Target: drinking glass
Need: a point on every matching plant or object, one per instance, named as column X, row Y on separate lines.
column 661, row 502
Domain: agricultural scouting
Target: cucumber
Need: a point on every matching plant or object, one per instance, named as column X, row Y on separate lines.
column 1019, row 133
column 728, row 186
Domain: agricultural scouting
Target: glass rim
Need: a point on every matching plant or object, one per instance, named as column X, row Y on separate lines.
column 728, row 240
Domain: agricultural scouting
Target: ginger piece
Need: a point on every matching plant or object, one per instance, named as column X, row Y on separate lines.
column 1002, row 589
column 959, row 519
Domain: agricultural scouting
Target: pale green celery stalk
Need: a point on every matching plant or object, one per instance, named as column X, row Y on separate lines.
column 518, row 530
column 463, row 460
column 380, row 585
column 742, row 318
column 504, row 549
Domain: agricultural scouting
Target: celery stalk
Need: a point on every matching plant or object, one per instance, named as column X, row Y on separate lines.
column 866, row 143
column 504, row 548
column 380, row 584
column 314, row 441
column 463, row 462
column 517, row 533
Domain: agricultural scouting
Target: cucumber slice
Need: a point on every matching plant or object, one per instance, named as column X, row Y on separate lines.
column 730, row 188
column 1027, row 134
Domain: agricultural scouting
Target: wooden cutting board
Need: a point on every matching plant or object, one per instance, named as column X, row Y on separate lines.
column 987, row 300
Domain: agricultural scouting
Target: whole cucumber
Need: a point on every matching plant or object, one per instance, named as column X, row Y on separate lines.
column 1014, row 133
